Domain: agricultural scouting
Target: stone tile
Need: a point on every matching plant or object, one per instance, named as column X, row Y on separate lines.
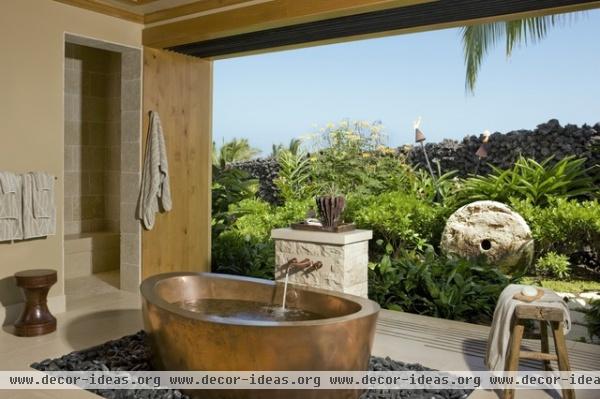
column 68, row 209
column 131, row 95
column 113, row 133
column 130, row 277
column 78, row 264
column 73, row 227
column 113, row 183
column 86, row 83
column 130, row 248
column 94, row 109
column 105, row 259
column 112, row 206
column 73, row 133
column 130, row 127
column 131, row 65
column 130, row 186
column 113, row 158
column 96, row 184
column 131, row 157
column 100, row 84
column 73, row 107
column 128, row 217
column 97, row 134
column 74, row 81
column 72, row 184
column 72, row 158
column 113, row 109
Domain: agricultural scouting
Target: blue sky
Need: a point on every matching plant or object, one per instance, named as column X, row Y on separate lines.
column 271, row 98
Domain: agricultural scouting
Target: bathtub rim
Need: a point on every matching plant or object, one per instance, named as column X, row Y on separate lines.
column 367, row 306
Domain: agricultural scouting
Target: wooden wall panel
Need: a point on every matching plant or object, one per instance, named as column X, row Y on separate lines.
column 179, row 88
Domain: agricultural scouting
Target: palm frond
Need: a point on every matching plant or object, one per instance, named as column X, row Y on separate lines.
column 478, row 40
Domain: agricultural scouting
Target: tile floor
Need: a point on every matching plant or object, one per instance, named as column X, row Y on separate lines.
column 97, row 312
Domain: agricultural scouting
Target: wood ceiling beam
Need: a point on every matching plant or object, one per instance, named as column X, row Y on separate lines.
column 187, row 9
column 262, row 16
column 103, row 8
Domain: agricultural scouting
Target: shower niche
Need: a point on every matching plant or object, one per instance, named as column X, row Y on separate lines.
column 101, row 161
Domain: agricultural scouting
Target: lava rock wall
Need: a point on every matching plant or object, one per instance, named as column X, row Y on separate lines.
column 265, row 170
column 503, row 149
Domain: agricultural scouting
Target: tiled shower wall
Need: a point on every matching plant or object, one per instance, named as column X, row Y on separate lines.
column 92, row 139
column 122, row 162
column 131, row 169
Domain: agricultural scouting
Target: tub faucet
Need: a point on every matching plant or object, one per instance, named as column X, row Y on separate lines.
column 305, row 265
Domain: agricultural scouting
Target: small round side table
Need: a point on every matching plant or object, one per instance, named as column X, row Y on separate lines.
column 36, row 319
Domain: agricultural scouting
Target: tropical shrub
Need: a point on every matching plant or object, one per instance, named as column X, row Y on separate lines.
column 400, row 219
column 532, row 181
column 442, row 189
column 352, row 155
column 233, row 151
column 229, row 186
column 245, row 248
column 436, row 286
column 592, row 318
column 552, row 264
column 563, row 226
column 294, row 177
column 235, row 253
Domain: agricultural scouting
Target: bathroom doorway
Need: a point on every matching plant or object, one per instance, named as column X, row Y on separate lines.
column 102, row 167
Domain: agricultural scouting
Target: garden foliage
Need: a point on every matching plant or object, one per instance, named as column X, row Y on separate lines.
column 427, row 284
column 407, row 210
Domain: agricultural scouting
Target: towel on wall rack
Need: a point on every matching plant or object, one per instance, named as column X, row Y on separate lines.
column 155, row 193
column 39, row 212
column 43, row 195
column 11, row 223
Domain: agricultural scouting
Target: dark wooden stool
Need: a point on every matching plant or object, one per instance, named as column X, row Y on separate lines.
column 36, row 318
column 545, row 315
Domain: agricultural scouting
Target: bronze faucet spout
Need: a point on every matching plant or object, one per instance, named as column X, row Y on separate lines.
column 305, row 265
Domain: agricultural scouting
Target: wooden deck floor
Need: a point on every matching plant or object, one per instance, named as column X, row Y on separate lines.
column 469, row 339
column 453, row 346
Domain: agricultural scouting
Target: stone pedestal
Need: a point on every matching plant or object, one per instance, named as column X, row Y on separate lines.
column 345, row 258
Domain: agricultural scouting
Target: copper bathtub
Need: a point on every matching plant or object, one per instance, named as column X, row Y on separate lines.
column 187, row 340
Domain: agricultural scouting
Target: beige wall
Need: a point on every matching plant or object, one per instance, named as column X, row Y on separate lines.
column 31, row 110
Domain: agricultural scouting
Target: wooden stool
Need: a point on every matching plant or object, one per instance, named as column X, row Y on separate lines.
column 36, row 318
column 545, row 315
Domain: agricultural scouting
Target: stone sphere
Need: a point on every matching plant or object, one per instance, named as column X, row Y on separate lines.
column 491, row 230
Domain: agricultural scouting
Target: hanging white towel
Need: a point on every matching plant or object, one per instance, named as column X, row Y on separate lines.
column 499, row 337
column 11, row 224
column 155, row 193
column 33, row 225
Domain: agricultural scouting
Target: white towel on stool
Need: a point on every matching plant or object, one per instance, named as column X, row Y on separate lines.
column 155, row 193
column 499, row 337
column 44, row 224
column 11, row 224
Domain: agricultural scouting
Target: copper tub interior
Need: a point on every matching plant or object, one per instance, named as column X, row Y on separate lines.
column 181, row 290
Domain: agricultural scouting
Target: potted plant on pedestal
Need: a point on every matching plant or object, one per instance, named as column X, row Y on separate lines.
column 330, row 207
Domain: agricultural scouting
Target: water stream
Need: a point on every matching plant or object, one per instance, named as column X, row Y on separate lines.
column 285, row 285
